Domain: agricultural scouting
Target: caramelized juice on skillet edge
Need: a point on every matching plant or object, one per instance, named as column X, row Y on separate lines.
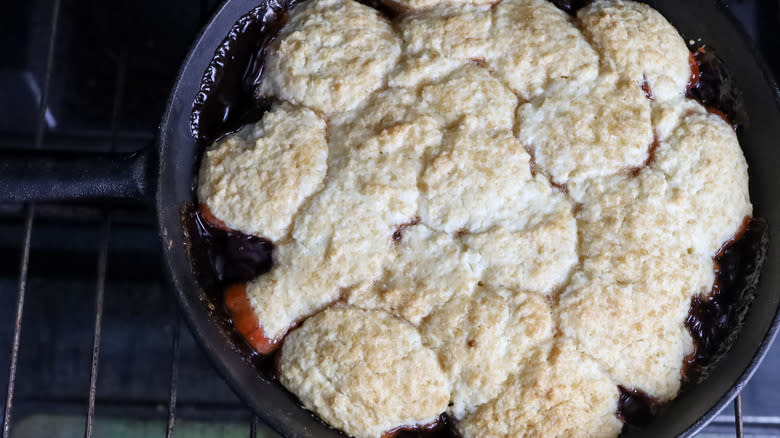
column 223, row 258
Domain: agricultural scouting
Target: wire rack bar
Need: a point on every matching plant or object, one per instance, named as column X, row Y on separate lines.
column 9, row 400
column 99, row 296
column 105, row 241
column 173, row 390
column 738, row 418
column 40, row 132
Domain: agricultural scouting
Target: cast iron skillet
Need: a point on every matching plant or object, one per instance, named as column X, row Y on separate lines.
column 36, row 175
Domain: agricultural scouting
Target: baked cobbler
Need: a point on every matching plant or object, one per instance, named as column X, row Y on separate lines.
column 500, row 212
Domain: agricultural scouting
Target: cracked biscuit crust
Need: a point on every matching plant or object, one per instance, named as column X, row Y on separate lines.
column 288, row 137
column 536, row 258
column 482, row 338
column 577, row 133
column 437, row 41
column 477, row 180
column 560, row 394
column 635, row 38
column 534, row 45
column 707, row 174
column 339, row 241
column 426, row 268
column 363, row 371
column 330, row 56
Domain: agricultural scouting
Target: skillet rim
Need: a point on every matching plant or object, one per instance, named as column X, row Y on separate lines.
column 774, row 327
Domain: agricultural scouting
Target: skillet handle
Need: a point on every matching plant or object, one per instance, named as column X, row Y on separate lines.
column 40, row 175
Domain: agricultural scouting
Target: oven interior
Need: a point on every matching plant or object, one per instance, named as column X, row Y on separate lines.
column 101, row 349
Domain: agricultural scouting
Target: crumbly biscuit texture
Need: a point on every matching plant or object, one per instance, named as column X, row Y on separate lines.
column 288, row 137
column 364, row 372
column 416, row 5
column 534, row 45
column 437, row 41
column 631, row 227
column 472, row 94
column 379, row 150
column 634, row 38
column 563, row 394
column 426, row 268
column 385, row 168
column 536, row 258
column 477, row 180
column 706, row 173
column 482, row 338
column 384, row 111
column 527, row 44
column 339, row 241
column 330, row 55
column 577, row 133
column 635, row 283
column 635, row 331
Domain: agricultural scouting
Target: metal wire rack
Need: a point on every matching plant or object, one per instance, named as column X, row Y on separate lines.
column 106, row 215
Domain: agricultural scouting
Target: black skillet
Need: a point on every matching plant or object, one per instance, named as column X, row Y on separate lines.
column 29, row 176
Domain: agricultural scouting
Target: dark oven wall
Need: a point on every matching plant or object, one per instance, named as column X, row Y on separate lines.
column 112, row 66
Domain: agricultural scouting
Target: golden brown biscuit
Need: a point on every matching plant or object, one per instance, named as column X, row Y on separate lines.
column 477, row 180
column 425, row 269
column 288, row 137
column 577, row 133
column 534, row 45
column 700, row 156
column 363, row 371
column 330, row 55
column 339, row 241
column 565, row 394
column 439, row 40
column 482, row 338
column 472, row 94
column 636, row 40
column 538, row 257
